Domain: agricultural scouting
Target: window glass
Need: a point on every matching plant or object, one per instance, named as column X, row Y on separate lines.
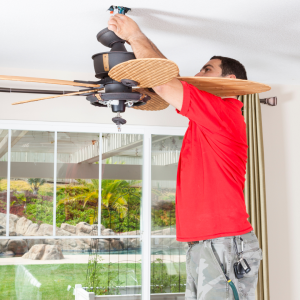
column 122, row 159
column 164, row 163
column 31, row 183
column 168, row 267
column 50, row 268
column 77, row 183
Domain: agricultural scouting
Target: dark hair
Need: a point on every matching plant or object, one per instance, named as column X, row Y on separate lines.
column 232, row 66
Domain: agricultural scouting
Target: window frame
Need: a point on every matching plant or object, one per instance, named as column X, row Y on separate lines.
column 145, row 225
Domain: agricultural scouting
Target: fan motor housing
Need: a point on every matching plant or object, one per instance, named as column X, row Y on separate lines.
column 109, row 59
column 104, row 61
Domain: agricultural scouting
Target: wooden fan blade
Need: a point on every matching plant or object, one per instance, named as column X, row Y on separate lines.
column 155, row 103
column 148, row 72
column 43, row 80
column 222, row 86
column 51, row 97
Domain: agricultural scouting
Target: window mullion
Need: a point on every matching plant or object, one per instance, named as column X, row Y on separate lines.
column 100, row 184
column 8, row 181
column 54, row 183
column 146, row 217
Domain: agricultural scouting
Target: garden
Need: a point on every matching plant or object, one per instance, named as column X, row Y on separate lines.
column 78, row 202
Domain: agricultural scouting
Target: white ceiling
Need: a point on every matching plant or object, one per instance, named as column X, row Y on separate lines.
column 57, row 38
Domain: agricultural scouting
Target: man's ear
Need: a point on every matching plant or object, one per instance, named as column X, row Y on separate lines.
column 231, row 76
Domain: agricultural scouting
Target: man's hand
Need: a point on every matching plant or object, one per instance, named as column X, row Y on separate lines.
column 125, row 28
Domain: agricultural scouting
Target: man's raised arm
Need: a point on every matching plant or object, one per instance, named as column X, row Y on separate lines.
column 128, row 30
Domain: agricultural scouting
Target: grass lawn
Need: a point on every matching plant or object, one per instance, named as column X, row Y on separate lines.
column 50, row 282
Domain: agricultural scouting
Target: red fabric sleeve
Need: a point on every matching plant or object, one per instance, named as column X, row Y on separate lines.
column 201, row 107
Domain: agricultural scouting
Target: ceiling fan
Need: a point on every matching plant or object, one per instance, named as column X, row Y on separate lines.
column 125, row 81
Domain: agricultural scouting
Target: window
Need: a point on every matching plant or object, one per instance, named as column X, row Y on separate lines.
column 80, row 203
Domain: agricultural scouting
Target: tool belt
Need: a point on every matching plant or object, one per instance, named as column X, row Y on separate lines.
column 193, row 243
column 231, row 284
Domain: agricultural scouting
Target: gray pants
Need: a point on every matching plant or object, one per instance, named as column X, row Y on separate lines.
column 205, row 278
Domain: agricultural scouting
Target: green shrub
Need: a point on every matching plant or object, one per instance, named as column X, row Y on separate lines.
column 39, row 211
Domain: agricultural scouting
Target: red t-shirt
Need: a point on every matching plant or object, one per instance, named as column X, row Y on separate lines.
column 211, row 170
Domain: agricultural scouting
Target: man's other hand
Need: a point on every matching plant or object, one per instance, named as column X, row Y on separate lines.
column 124, row 27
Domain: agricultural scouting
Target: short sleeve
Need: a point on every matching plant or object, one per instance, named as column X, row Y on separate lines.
column 201, row 107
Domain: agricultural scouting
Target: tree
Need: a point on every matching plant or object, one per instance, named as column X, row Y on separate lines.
column 35, row 184
column 113, row 200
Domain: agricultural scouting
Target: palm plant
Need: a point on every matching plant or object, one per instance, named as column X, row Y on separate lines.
column 35, row 184
column 112, row 194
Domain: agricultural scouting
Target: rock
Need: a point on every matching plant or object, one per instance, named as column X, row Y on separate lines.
column 87, row 241
column 4, row 243
column 83, row 228
column 32, row 230
column 94, row 230
column 62, row 232
column 33, row 242
column 117, row 245
column 52, row 253
column 44, row 230
column 103, row 245
column 131, row 243
column 135, row 232
column 36, row 252
column 2, row 230
column 1, row 248
column 68, row 227
column 22, row 226
column 57, row 242
column 75, row 244
column 17, row 246
column 108, row 231
column 47, row 230
column 70, row 244
column 13, row 219
column 102, row 228
column 44, row 252
column 94, row 243
column 2, row 219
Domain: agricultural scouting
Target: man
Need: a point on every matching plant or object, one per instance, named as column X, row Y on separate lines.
column 210, row 207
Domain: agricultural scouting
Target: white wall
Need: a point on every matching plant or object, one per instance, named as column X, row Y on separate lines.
column 281, row 127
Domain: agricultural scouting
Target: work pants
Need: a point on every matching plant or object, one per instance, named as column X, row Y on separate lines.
column 205, row 277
